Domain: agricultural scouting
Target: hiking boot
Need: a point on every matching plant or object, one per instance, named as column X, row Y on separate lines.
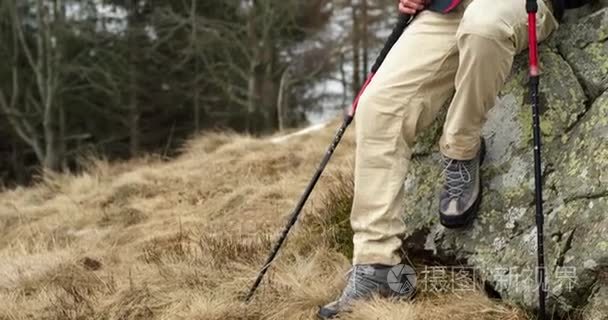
column 461, row 193
column 366, row 281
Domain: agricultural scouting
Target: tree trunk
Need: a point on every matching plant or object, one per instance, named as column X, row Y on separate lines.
column 356, row 47
column 133, row 108
column 196, row 106
column 63, row 148
column 17, row 163
column 253, row 85
column 270, row 83
column 47, row 77
column 283, row 86
column 364, row 38
column 133, row 115
column 343, row 80
column 253, row 90
column 52, row 156
column 195, row 83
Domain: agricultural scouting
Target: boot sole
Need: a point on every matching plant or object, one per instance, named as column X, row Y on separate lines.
column 325, row 314
column 465, row 219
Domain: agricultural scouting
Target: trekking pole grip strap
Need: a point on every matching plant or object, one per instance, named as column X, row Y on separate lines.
column 404, row 20
column 531, row 6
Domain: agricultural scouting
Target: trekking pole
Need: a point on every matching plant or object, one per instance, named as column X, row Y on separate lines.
column 532, row 9
column 348, row 118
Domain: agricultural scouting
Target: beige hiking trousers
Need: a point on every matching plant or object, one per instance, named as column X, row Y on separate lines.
column 468, row 51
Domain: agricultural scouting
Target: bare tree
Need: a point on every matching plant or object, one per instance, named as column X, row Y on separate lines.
column 37, row 103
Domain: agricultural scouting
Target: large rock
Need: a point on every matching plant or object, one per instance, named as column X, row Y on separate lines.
column 501, row 245
column 585, row 47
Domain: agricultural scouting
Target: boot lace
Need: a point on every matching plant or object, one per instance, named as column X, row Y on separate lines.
column 458, row 174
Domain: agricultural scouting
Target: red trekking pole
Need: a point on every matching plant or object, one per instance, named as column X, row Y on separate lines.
column 348, row 118
column 532, row 9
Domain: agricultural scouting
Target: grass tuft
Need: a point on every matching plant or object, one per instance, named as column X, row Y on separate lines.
column 333, row 218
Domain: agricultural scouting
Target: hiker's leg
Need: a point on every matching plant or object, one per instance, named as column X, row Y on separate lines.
column 490, row 34
column 412, row 84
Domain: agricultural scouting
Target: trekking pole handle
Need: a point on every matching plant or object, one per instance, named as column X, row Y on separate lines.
column 532, row 9
column 531, row 6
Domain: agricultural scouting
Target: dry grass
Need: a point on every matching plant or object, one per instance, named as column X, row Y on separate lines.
column 183, row 239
